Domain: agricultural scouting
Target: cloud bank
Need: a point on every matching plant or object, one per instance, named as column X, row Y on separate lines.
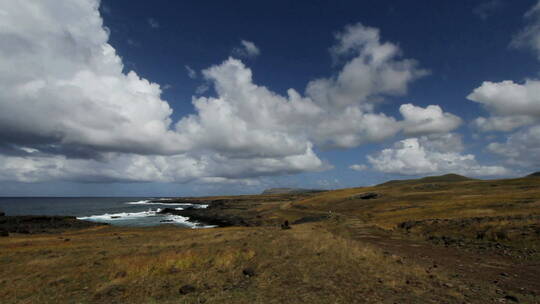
column 424, row 155
column 511, row 105
column 69, row 112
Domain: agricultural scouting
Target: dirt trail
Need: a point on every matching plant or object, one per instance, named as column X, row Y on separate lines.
column 476, row 269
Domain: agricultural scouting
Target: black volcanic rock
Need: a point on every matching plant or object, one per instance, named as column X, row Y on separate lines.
column 366, row 196
column 207, row 216
column 42, row 224
column 223, row 212
column 2, row 213
column 249, row 272
column 185, row 289
column 535, row 174
column 169, row 211
column 233, row 211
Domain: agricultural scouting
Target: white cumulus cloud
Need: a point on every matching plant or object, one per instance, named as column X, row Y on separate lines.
column 62, row 84
column 375, row 69
column 69, row 112
column 521, row 148
column 511, row 104
column 514, row 106
column 358, row 167
column 427, row 120
column 418, row 156
column 247, row 49
column 529, row 37
column 63, row 93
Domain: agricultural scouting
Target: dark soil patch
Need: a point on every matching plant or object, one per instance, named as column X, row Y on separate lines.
column 523, row 277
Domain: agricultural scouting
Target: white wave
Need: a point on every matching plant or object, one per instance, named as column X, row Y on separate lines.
column 196, row 206
column 153, row 202
column 169, row 218
column 185, row 221
column 149, row 202
column 144, row 202
column 119, row 216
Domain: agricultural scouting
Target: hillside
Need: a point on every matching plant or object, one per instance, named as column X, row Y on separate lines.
column 447, row 178
column 441, row 239
column 535, row 174
column 289, row 191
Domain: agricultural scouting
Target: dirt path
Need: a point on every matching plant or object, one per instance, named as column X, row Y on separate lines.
column 506, row 275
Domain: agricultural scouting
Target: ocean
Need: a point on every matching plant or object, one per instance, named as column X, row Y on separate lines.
column 120, row 211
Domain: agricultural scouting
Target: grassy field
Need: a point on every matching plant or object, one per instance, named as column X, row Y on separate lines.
column 436, row 240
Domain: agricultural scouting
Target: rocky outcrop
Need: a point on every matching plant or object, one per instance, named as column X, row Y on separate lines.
column 208, row 216
column 245, row 210
column 311, row 219
column 42, row 224
column 285, row 225
column 463, row 222
column 535, row 174
column 185, row 289
column 366, row 196
column 502, row 234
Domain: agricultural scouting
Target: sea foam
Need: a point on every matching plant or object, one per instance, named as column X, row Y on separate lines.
column 130, row 216
column 120, row 216
column 149, row 202
column 185, row 221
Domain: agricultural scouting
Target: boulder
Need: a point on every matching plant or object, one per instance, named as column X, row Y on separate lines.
column 248, row 272
column 120, row 274
column 366, row 196
column 285, row 225
column 185, row 289
column 511, row 298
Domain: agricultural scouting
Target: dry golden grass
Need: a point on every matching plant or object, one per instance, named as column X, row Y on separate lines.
column 306, row 264
column 419, row 200
column 311, row 263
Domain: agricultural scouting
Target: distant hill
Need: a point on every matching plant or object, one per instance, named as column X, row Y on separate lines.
column 289, row 191
column 446, row 178
column 535, row 174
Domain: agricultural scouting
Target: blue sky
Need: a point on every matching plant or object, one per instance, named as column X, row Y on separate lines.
column 193, row 98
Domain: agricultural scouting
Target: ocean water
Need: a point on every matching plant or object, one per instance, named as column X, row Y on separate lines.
column 120, row 211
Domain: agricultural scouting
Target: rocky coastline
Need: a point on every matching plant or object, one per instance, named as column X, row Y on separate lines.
column 219, row 212
column 32, row 224
column 246, row 210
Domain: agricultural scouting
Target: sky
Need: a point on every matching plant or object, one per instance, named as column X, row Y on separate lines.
column 163, row 98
